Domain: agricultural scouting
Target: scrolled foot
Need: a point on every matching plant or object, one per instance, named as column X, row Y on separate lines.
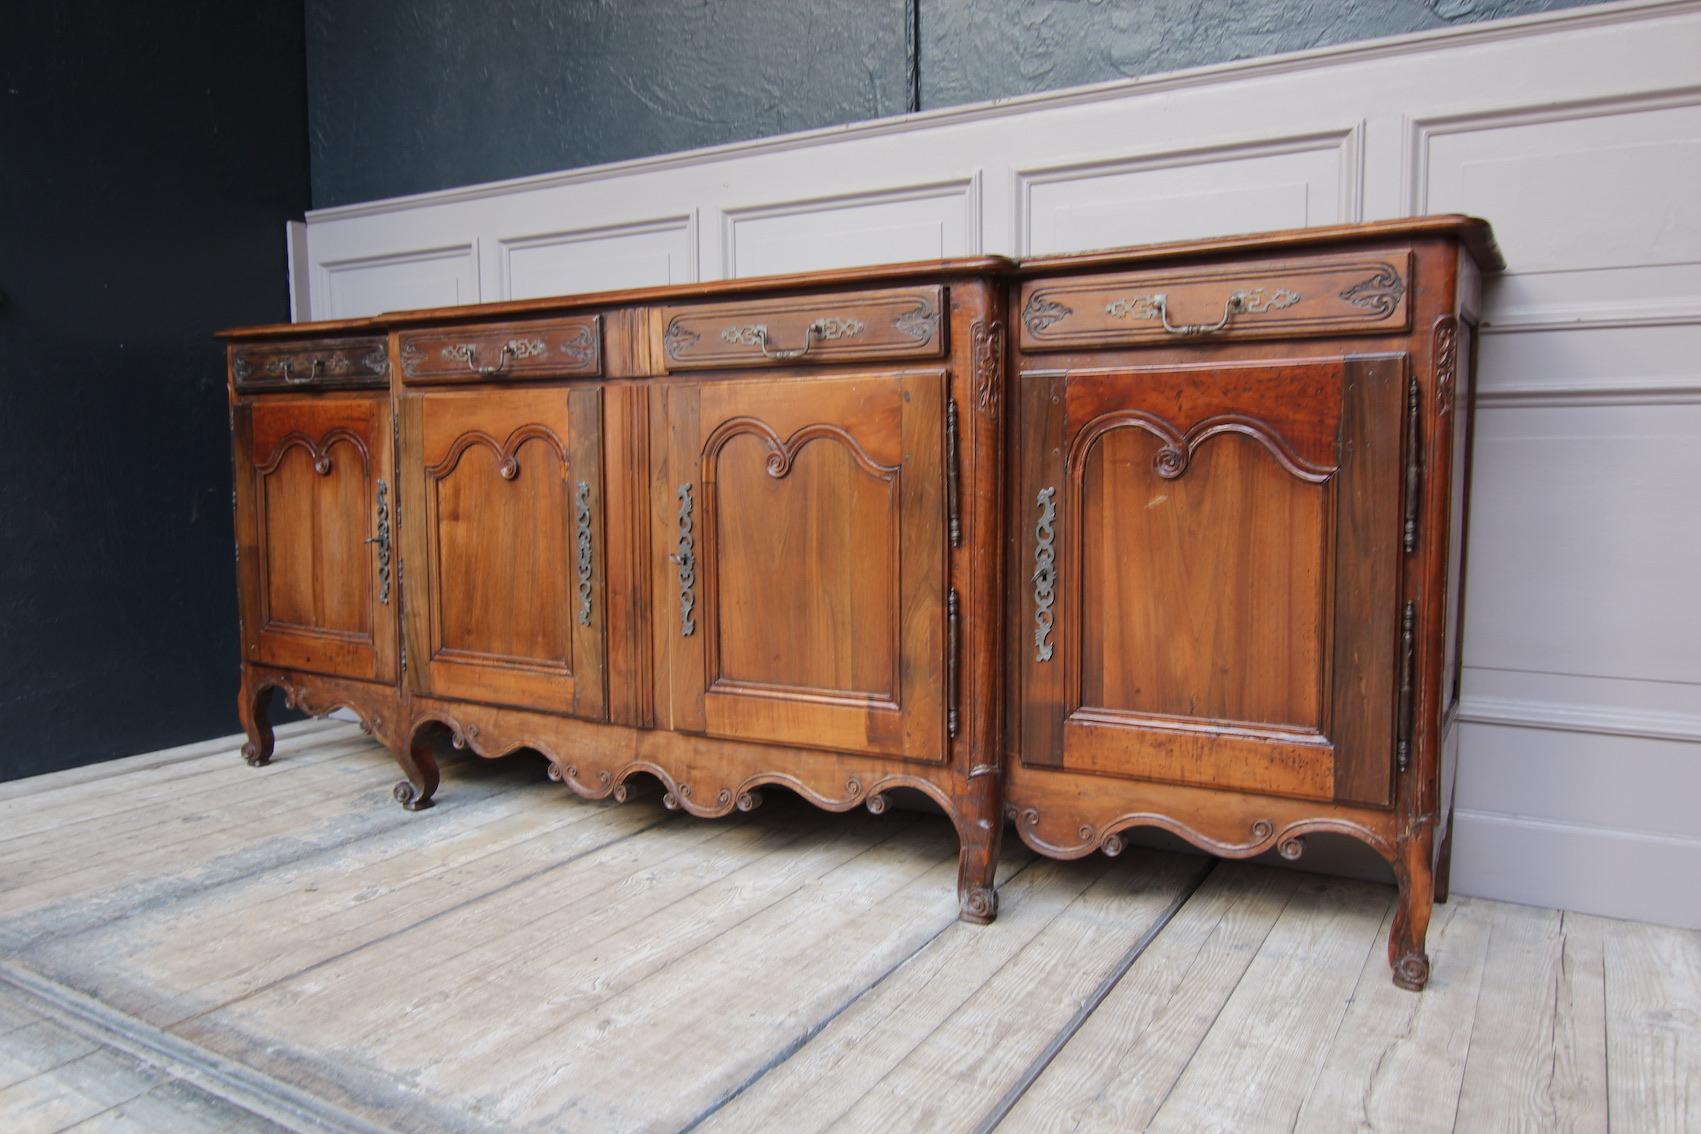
column 978, row 906
column 409, row 798
column 749, row 800
column 876, row 804
column 1411, row 971
column 253, row 756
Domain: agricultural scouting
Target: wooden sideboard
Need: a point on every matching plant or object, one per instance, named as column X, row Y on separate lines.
column 1168, row 536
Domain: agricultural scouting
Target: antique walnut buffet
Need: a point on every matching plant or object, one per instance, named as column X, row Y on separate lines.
column 1168, row 536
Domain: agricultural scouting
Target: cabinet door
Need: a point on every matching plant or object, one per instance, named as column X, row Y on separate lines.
column 313, row 511
column 503, row 556
column 805, row 524
column 1212, row 559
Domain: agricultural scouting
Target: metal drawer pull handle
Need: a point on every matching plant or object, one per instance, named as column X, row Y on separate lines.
column 313, row 372
column 502, row 358
column 382, row 539
column 1238, row 303
column 822, row 330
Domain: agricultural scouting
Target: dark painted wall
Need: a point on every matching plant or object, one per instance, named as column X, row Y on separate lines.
column 149, row 155
column 973, row 50
column 408, row 97
column 405, row 97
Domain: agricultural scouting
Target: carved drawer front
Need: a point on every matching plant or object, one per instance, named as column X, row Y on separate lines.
column 504, row 352
column 845, row 327
column 1351, row 293
column 310, row 364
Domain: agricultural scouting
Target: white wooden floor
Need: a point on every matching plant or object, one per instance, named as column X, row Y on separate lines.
column 191, row 944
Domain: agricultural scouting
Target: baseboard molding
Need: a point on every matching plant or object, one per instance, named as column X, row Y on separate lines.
column 1596, row 870
column 1603, row 719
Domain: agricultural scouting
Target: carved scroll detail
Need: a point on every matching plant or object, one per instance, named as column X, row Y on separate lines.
column 919, row 322
column 581, row 347
column 1041, row 313
column 582, row 520
column 1045, row 573
column 782, row 452
column 1379, row 294
column 986, row 350
column 1446, row 362
column 1173, row 459
column 678, row 339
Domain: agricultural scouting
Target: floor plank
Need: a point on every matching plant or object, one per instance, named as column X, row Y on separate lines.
column 1268, row 1043
column 74, row 1091
column 519, row 959
column 190, row 955
column 106, row 774
column 175, row 1107
column 1398, row 1060
column 1119, row 1068
column 1538, row 1046
column 960, row 1022
column 1653, row 1024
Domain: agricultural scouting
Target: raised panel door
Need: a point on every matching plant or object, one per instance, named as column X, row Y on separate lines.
column 314, row 521
column 804, row 522
column 503, row 547
column 1213, row 556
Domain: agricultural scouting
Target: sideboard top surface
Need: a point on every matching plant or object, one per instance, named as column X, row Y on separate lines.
column 1474, row 233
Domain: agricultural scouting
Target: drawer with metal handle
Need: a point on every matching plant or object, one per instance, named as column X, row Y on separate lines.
column 802, row 330
column 1360, row 293
column 491, row 352
column 311, row 364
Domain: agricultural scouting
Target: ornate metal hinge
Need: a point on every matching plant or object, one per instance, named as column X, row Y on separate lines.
column 582, row 518
column 401, row 581
column 1408, row 651
column 686, row 559
column 953, row 486
column 382, row 539
column 1045, row 572
column 1414, row 463
column 951, row 635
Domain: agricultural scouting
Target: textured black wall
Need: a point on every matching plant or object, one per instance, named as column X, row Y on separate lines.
column 408, row 97
column 405, row 97
column 149, row 155
column 973, row 50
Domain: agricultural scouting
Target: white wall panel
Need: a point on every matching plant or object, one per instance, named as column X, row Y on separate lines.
column 1577, row 133
column 1603, row 500
column 603, row 258
column 1180, row 194
column 924, row 222
column 431, row 277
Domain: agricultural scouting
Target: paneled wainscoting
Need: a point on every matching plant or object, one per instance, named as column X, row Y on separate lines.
column 191, row 944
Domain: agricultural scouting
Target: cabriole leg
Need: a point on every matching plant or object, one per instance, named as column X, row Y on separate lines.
column 412, row 752
column 981, row 831
column 1413, row 871
column 253, row 708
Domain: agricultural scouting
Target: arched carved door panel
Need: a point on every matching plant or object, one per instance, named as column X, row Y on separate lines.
column 503, row 504
column 805, row 589
column 314, row 500
column 1218, row 604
